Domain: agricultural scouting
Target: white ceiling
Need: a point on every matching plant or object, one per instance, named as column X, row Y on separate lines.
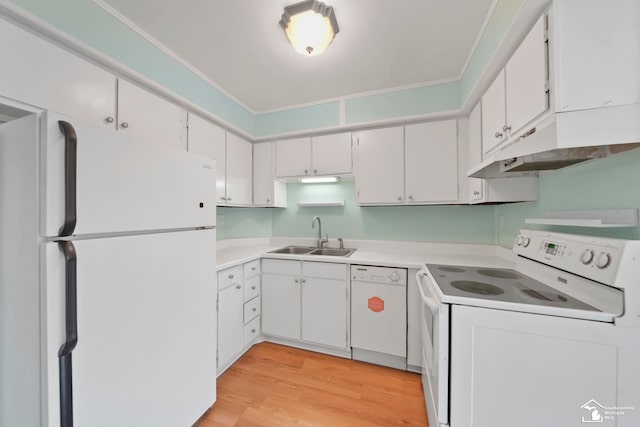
column 382, row 45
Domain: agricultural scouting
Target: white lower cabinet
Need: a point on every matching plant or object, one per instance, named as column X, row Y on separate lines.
column 306, row 301
column 238, row 311
column 230, row 316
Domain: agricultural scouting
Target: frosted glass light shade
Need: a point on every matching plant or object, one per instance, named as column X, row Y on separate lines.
column 310, row 26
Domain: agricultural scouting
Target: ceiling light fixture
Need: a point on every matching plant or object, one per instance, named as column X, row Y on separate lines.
column 318, row 179
column 310, row 26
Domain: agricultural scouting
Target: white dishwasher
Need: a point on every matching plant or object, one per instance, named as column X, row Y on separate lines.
column 379, row 315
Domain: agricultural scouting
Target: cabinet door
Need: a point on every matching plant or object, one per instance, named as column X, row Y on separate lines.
column 475, row 152
column 149, row 117
column 208, row 139
column 281, row 305
column 293, row 157
column 331, row 154
column 380, row 166
column 493, row 114
column 230, row 323
column 526, row 77
column 239, row 175
column 41, row 74
column 431, row 162
column 266, row 190
column 324, row 311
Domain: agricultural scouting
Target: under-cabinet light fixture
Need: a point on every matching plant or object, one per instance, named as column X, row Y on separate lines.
column 318, row 180
column 310, row 26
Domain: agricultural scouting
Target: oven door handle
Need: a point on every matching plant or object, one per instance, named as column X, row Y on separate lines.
column 431, row 302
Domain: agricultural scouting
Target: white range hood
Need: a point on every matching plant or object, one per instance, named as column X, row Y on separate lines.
column 564, row 139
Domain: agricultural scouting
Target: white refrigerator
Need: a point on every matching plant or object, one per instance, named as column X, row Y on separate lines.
column 108, row 278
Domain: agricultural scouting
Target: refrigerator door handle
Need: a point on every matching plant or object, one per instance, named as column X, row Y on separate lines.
column 70, row 175
column 71, row 328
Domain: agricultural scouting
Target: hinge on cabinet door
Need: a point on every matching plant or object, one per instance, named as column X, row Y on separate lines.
column 217, row 305
column 346, row 338
column 217, row 358
column 547, row 86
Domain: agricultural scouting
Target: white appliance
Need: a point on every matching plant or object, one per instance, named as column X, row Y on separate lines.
column 379, row 315
column 108, row 278
column 555, row 341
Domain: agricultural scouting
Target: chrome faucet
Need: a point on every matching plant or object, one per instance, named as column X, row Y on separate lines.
column 320, row 242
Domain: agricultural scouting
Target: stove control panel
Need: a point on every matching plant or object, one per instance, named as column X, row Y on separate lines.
column 596, row 258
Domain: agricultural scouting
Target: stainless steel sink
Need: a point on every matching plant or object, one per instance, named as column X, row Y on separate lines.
column 332, row 252
column 293, row 250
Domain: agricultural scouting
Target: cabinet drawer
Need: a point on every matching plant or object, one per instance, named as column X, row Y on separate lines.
column 251, row 309
column 324, row 270
column 251, row 269
column 251, row 331
column 251, row 288
column 229, row 276
column 280, row 266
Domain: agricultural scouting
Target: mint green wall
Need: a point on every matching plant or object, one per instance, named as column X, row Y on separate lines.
column 243, row 222
column 468, row 224
column 609, row 183
column 86, row 21
column 298, row 119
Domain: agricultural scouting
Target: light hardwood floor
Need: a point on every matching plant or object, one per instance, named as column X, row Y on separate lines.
column 273, row 385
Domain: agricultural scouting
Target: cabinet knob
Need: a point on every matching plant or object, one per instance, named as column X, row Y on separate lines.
column 223, row 198
column 238, row 286
column 476, row 193
column 296, row 280
column 304, row 280
column 109, row 119
column 253, row 287
column 506, row 128
column 410, row 197
column 254, row 309
column 268, row 200
column 498, row 135
column 315, row 171
column 253, row 268
column 231, row 276
column 253, row 330
column 124, row 125
column 399, row 197
column 306, row 171
column 228, row 199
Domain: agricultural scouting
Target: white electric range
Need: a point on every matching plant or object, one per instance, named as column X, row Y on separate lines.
column 554, row 341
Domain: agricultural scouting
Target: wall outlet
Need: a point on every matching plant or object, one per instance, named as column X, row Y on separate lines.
column 219, row 219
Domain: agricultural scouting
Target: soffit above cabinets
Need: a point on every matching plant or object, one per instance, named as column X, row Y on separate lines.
column 382, row 45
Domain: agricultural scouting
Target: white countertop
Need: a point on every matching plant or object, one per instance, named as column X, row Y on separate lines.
column 382, row 253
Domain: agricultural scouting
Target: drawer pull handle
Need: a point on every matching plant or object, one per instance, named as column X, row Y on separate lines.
column 238, row 286
column 231, row 276
column 254, row 309
column 253, row 331
column 253, row 287
column 253, row 268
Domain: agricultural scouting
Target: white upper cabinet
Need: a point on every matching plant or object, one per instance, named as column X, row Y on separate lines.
column 293, row 157
column 331, row 154
column 494, row 111
column 39, row 73
column 494, row 190
column 519, row 93
column 380, row 166
column 526, row 79
column 150, row 117
column 266, row 190
column 476, row 185
column 210, row 140
column 431, row 162
column 318, row 155
column 239, row 175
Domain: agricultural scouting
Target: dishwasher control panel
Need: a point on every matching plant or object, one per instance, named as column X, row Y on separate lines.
column 367, row 273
